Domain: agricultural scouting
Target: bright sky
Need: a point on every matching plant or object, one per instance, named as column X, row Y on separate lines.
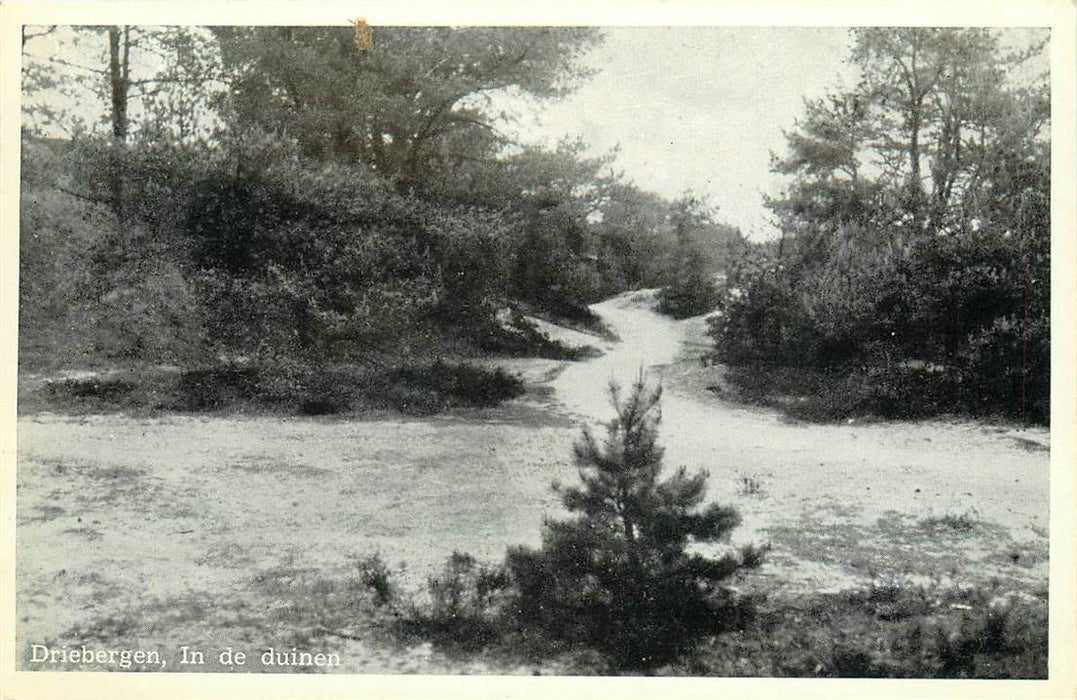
column 692, row 108
column 699, row 108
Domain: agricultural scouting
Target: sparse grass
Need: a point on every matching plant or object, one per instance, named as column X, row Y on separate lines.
column 751, row 486
column 885, row 632
column 45, row 513
column 957, row 523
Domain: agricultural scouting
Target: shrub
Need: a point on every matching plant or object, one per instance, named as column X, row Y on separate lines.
column 284, row 386
column 106, row 389
column 693, row 292
column 940, row 323
column 459, row 385
column 1007, row 367
column 376, row 577
column 217, row 387
column 522, row 337
column 464, row 610
column 618, row 578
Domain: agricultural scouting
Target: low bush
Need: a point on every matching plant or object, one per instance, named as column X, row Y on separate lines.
column 895, row 392
column 218, row 387
column 522, row 338
column 287, row 387
column 464, row 611
column 105, row 389
column 450, row 385
column 885, row 632
column 376, row 578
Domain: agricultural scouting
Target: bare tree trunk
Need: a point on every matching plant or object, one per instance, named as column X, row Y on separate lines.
column 916, row 185
column 119, row 54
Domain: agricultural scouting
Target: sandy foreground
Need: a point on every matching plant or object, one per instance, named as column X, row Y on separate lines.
column 163, row 532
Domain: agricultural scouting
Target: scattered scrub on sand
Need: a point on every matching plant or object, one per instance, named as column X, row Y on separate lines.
column 885, row 632
column 614, row 591
column 751, row 485
column 880, row 631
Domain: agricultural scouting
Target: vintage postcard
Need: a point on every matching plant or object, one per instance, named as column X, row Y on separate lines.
column 393, row 350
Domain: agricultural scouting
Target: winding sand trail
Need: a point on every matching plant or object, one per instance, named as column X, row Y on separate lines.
column 848, row 474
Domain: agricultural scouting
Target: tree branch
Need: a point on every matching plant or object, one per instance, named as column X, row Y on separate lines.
column 27, row 36
column 87, row 197
column 69, row 64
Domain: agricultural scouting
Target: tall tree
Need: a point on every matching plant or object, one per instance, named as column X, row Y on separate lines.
column 416, row 102
column 919, row 134
column 916, row 226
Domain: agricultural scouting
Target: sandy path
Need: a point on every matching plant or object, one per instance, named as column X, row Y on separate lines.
column 848, row 474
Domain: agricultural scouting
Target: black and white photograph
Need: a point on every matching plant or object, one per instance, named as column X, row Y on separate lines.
column 376, row 348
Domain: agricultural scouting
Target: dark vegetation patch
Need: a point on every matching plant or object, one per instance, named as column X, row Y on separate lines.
column 1031, row 445
column 259, row 464
column 43, row 514
column 884, row 632
column 522, row 338
column 880, row 393
column 414, row 389
column 961, row 522
column 88, row 533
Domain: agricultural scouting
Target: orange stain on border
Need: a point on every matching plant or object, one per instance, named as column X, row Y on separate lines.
column 364, row 34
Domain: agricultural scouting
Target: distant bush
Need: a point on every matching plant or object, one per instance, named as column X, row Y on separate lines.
column 692, row 293
column 695, row 294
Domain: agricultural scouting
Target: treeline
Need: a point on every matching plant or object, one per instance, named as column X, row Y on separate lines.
column 912, row 277
column 284, row 195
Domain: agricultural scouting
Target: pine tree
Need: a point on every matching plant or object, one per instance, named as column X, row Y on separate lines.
column 619, row 577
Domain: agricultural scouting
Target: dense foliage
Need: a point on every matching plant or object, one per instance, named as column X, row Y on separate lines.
column 913, row 274
column 283, row 194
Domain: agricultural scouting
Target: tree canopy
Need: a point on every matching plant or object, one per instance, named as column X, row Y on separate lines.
column 412, row 106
